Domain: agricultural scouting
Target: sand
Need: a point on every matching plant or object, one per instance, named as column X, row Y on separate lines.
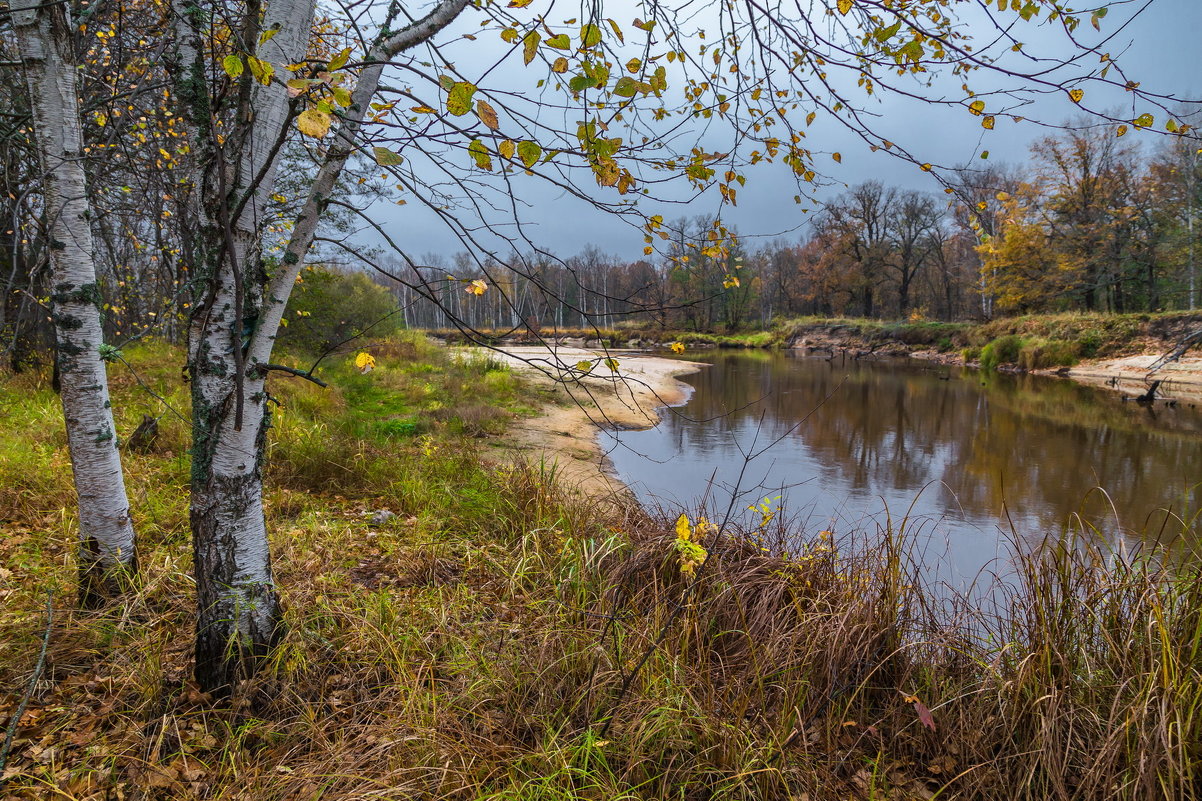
column 572, row 411
column 1181, row 380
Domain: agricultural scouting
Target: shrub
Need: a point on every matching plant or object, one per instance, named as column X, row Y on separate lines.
column 1038, row 354
column 330, row 306
column 1003, row 350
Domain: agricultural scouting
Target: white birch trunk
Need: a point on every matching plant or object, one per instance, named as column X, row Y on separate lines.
column 238, row 612
column 238, row 615
column 106, row 533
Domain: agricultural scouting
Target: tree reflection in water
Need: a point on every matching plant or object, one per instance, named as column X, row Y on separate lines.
column 962, row 454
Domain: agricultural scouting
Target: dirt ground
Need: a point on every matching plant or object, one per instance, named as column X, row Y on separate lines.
column 572, row 410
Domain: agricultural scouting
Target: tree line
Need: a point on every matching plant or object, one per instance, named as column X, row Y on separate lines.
column 1091, row 223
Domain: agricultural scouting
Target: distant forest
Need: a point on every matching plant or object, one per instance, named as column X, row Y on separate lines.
column 1090, row 223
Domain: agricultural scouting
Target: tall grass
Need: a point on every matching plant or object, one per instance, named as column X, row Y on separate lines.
column 504, row 638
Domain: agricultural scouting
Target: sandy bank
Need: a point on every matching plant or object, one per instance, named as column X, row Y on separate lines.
column 571, row 411
column 1181, row 380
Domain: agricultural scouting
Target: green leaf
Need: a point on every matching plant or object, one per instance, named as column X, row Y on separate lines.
column 1145, row 120
column 885, row 34
column 590, row 35
column 560, row 42
column 459, row 98
column 232, row 65
column 480, row 154
column 530, row 46
column 626, row 87
column 386, row 157
column 612, row 364
column 529, row 152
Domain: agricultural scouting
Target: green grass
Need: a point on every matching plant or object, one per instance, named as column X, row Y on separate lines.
column 486, row 643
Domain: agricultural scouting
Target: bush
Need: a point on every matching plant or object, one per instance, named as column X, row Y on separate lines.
column 1037, row 354
column 329, row 306
column 1003, row 350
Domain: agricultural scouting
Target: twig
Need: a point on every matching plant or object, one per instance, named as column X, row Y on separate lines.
column 292, row 371
column 33, row 681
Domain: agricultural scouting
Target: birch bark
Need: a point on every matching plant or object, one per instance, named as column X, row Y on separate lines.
column 106, row 535
column 235, row 322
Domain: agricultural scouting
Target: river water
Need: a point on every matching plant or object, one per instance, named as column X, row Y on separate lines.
column 976, row 463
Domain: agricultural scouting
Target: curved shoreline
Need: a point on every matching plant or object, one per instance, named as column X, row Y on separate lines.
column 573, row 412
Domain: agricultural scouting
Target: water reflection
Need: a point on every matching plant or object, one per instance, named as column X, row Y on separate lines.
column 967, row 455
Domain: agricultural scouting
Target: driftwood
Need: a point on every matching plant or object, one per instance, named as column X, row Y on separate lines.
column 1184, row 344
column 1149, row 396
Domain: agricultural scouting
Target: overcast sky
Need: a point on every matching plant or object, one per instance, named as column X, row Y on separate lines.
column 1161, row 47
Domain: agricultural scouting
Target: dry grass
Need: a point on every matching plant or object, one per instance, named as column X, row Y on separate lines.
column 500, row 639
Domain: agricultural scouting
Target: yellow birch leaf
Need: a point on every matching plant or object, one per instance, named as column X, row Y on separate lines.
column 314, row 123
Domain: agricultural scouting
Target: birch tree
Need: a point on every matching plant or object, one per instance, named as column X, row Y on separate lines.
column 106, row 535
column 239, row 117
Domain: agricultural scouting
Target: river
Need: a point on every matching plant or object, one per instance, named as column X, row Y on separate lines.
column 976, row 463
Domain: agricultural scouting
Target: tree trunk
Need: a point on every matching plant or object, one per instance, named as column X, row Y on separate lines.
column 106, row 536
column 238, row 615
column 233, row 333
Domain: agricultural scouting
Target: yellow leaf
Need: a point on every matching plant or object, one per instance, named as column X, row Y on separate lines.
column 519, row 3
column 365, row 361
column 312, row 122
column 584, row 366
column 339, row 61
column 612, row 364
column 683, row 530
column 837, row 157
column 977, row 107
column 678, row 347
column 530, row 46
column 477, row 287
column 386, row 157
column 560, row 65
column 987, row 123
column 845, row 6
column 1121, row 130
column 506, row 149
column 1076, row 95
column 926, row 167
column 262, row 70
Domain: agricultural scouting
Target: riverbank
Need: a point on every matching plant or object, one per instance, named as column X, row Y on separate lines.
column 1114, row 352
column 627, row 395
column 1107, row 350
